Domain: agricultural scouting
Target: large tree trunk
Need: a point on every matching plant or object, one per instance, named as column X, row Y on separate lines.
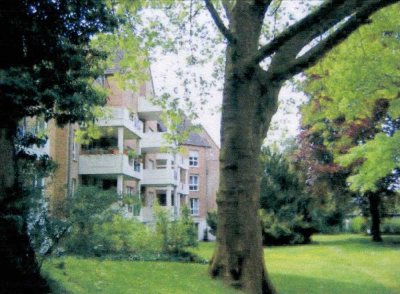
column 374, row 202
column 249, row 103
column 239, row 258
column 20, row 272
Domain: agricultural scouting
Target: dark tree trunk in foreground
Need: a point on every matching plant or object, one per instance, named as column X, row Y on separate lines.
column 239, row 257
column 20, row 272
column 249, row 102
column 374, row 203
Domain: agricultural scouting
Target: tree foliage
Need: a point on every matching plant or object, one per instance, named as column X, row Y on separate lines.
column 356, row 93
column 286, row 208
column 47, row 69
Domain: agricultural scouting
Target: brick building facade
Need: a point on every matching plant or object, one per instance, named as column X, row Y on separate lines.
column 131, row 126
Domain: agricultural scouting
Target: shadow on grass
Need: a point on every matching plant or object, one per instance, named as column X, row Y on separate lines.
column 297, row 284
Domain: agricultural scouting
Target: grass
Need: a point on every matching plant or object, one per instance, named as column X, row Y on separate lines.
column 332, row 264
column 75, row 275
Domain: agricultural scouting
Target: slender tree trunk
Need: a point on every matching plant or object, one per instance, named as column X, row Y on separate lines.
column 374, row 202
column 20, row 271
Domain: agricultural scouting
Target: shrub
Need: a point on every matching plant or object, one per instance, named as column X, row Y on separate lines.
column 174, row 234
column 391, row 226
column 98, row 228
column 328, row 220
column 358, row 225
column 124, row 236
column 286, row 207
column 278, row 232
column 89, row 208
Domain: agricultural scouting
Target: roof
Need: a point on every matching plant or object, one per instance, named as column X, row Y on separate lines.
column 195, row 139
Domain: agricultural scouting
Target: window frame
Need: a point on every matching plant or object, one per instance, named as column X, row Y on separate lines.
column 193, row 158
column 194, row 185
column 194, row 209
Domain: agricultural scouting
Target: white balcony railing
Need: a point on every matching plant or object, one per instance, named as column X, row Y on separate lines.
column 152, row 142
column 158, row 177
column 183, row 188
column 109, row 164
column 122, row 117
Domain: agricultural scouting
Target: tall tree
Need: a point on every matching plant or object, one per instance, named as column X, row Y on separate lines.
column 250, row 95
column 46, row 69
column 355, row 90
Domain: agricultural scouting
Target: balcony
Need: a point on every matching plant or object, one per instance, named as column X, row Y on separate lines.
column 153, row 142
column 182, row 188
column 183, row 162
column 109, row 164
column 147, row 110
column 159, row 177
column 122, row 117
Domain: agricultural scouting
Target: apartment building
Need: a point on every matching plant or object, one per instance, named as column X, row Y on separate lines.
column 130, row 158
column 203, row 155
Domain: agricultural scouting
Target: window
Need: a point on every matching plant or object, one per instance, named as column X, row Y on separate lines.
column 194, row 158
column 161, row 163
column 194, row 183
column 194, row 206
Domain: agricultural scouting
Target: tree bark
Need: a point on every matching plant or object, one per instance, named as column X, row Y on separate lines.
column 374, row 202
column 20, row 271
column 239, row 258
column 248, row 106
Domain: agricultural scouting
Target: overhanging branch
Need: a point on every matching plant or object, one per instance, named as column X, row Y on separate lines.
column 317, row 23
column 309, row 58
column 218, row 21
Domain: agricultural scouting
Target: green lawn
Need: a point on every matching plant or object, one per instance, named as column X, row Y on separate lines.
column 334, row 264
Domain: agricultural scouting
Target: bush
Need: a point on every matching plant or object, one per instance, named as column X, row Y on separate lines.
column 174, row 235
column 328, row 220
column 278, row 232
column 123, row 236
column 358, row 225
column 391, row 226
column 286, row 207
column 89, row 208
column 98, row 229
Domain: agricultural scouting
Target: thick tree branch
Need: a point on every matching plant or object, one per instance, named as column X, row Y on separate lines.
column 309, row 58
column 218, row 21
column 328, row 15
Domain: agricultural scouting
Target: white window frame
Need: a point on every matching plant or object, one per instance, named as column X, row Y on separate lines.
column 194, row 206
column 194, row 182
column 193, row 158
